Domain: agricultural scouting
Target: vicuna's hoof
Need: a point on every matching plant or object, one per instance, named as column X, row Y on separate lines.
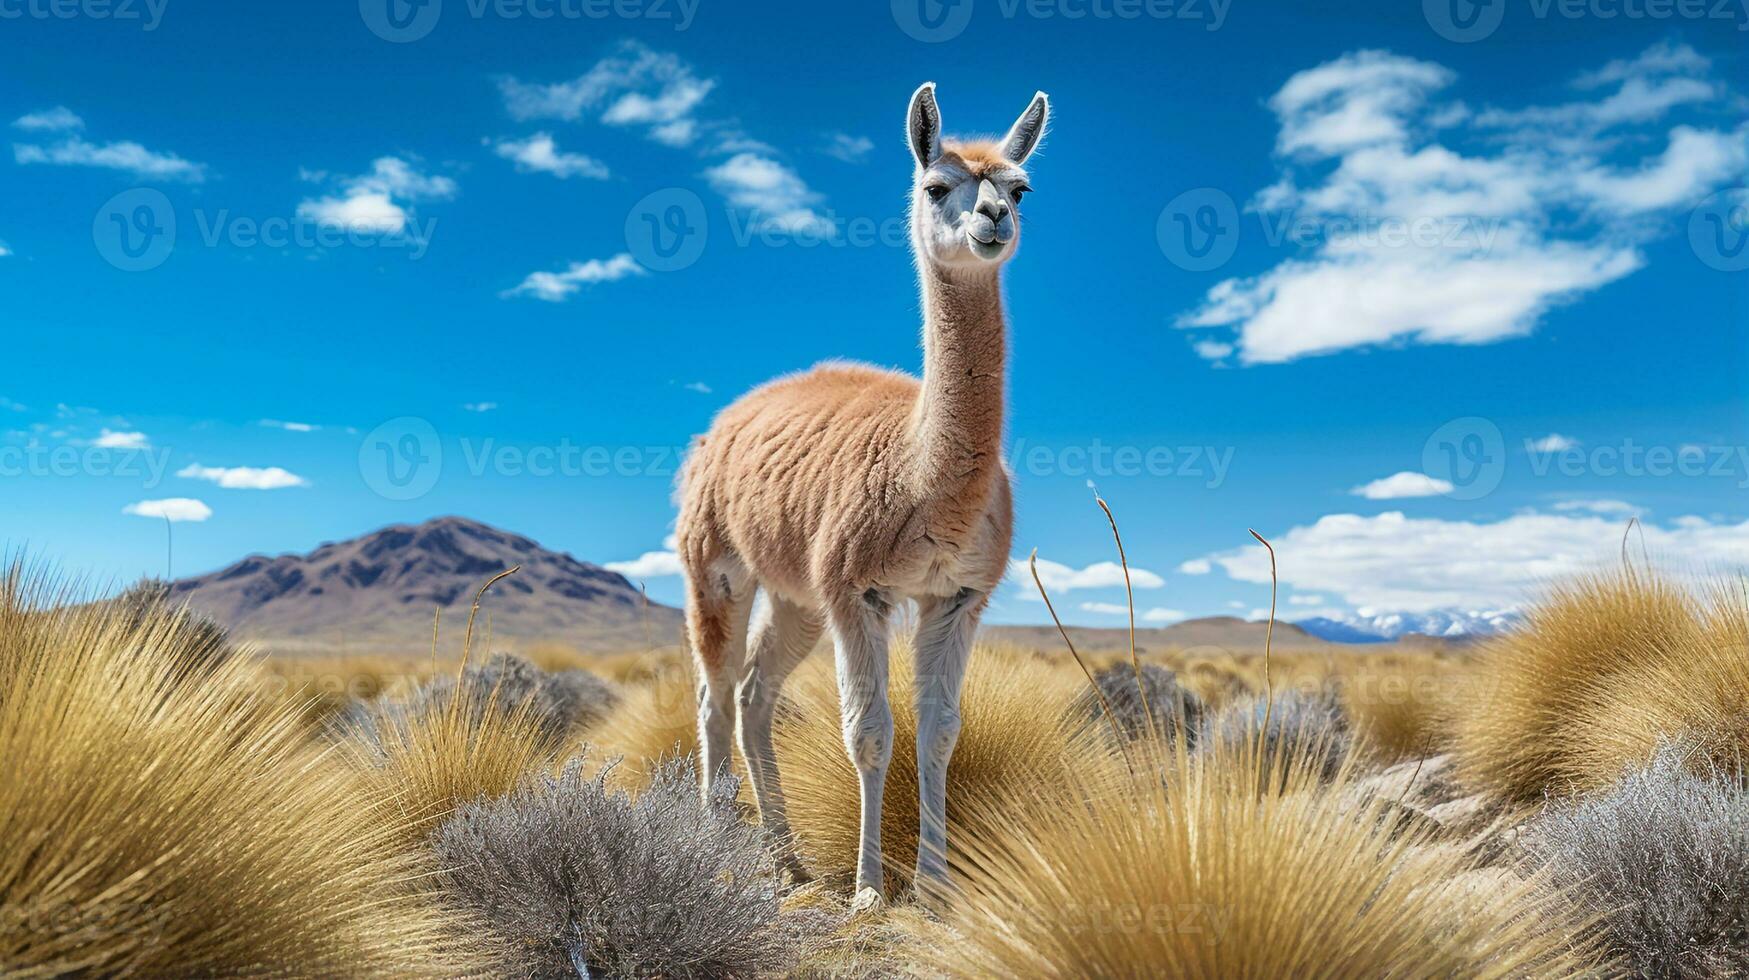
column 867, row 902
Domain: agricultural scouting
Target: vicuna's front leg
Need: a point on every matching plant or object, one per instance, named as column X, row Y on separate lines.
column 859, row 633
column 944, row 642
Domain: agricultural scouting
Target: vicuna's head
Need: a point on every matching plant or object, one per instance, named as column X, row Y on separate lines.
column 965, row 199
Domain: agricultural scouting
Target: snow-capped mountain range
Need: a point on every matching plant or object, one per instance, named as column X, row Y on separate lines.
column 1385, row 627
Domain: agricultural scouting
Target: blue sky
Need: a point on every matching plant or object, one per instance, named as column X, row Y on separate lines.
column 1436, row 298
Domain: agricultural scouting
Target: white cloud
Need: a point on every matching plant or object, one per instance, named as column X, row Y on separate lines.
column 634, row 87
column 55, row 120
column 650, row 564
column 698, row 386
column 1105, row 608
column 1554, row 442
column 1605, row 508
column 174, row 509
column 556, row 287
column 1305, row 600
column 372, row 203
column 850, row 149
column 289, row 426
column 1160, row 614
column 1212, row 350
column 1195, row 566
column 4, row 251
column 774, row 193
column 243, row 477
column 540, row 154
column 480, row 407
column 1417, row 242
column 1390, row 562
column 1058, row 577
column 1400, row 485
column 364, row 212
column 661, row 94
column 111, row 439
column 1660, row 78
column 124, row 155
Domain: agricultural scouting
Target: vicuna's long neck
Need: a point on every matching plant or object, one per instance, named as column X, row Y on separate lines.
column 957, row 423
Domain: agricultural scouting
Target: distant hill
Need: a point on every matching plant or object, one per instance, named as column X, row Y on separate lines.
column 1225, row 632
column 381, row 590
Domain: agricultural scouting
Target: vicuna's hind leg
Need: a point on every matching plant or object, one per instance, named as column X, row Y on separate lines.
column 859, row 634
column 717, row 608
column 782, row 636
column 944, row 643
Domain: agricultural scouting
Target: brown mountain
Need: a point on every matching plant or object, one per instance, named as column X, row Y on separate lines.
column 380, row 591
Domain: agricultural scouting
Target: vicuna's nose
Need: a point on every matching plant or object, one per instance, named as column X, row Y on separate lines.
column 990, row 203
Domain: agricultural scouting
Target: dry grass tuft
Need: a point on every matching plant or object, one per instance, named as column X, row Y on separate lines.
column 1205, row 866
column 431, row 756
column 1602, row 672
column 1404, row 707
column 1014, row 746
column 162, row 824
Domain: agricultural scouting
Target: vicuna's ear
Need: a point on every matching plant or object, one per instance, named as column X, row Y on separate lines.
column 923, row 125
column 1028, row 130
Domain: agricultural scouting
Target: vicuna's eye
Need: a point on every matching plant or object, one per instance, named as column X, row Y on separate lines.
column 1020, row 192
column 936, row 191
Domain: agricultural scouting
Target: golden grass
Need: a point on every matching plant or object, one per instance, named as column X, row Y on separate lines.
column 1602, row 671
column 167, row 824
column 1014, row 746
column 432, row 758
column 322, row 687
column 657, row 720
column 1204, row 866
column 1403, row 706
